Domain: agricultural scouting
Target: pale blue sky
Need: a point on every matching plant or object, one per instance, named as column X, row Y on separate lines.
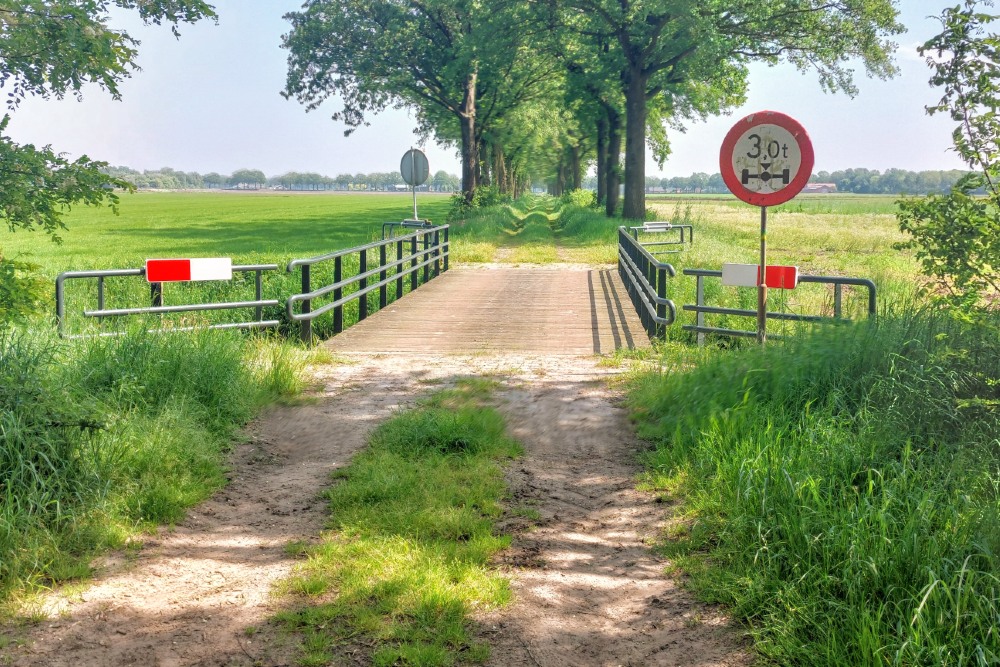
column 209, row 102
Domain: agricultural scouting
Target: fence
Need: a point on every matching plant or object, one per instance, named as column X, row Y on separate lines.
column 428, row 251
column 701, row 309
column 382, row 266
column 156, row 300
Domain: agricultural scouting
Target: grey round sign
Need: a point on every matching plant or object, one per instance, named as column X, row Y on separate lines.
column 414, row 167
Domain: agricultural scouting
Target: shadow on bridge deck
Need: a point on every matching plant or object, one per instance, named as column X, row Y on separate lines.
column 550, row 310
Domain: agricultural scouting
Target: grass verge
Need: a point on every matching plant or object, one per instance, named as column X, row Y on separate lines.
column 840, row 490
column 411, row 537
column 101, row 439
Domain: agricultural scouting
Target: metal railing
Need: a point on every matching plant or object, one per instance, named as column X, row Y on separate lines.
column 660, row 227
column 428, row 250
column 701, row 309
column 156, row 301
column 645, row 279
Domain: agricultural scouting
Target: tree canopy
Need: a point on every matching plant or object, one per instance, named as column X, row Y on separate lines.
column 556, row 86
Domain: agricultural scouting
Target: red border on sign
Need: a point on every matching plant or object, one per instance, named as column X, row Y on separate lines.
column 788, row 192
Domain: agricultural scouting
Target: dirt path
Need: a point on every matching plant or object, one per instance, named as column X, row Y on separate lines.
column 589, row 592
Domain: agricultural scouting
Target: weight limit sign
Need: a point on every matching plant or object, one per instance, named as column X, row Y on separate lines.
column 766, row 159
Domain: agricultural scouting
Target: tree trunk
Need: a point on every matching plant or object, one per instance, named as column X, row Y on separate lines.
column 470, row 146
column 500, row 170
column 576, row 172
column 602, row 159
column 635, row 145
column 612, row 169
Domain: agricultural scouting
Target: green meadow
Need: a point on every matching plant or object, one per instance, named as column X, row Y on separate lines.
column 249, row 227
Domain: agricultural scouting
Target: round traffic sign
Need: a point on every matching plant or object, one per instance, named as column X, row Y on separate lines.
column 766, row 158
column 414, row 167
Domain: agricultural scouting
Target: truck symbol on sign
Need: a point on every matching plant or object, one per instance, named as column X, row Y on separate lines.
column 765, row 175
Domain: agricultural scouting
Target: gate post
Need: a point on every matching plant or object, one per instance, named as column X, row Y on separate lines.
column 156, row 294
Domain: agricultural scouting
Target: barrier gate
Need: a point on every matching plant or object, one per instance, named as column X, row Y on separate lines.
column 392, row 266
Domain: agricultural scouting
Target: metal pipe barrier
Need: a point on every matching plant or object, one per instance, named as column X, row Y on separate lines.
column 405, row 224
column 429, row 249
column 645, row 280
column 659, row 227
column 156, row 298
column 701, row 309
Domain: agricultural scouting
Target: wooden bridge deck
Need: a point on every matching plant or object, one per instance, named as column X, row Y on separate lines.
column 551, row 310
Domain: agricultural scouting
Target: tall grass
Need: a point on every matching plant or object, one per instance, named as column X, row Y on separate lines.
column 103, row 438
column 841, row 490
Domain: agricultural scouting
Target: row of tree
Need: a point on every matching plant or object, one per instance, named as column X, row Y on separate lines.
column 255, row 179
column 858, row 181
column 544, row 90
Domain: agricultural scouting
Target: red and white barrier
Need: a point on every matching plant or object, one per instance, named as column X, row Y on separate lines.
column 183, row 270
column 748, row 275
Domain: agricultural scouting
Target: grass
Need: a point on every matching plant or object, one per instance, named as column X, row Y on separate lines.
column 250, row 228
column 407, row 556
column 102, row 439
column 839, row 491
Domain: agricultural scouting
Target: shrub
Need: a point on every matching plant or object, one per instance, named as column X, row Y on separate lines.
column 581, row 198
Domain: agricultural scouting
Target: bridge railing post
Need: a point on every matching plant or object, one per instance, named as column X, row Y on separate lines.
column 338, row 293
column 426, row 253
column 383, row 291
column 447, row 248
column 437, row 253
column 413, row 262
column 399, row 269
column 661, row 308
column 362, row 284
column 306, row 332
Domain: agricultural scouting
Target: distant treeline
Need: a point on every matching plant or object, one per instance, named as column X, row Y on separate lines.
column 254, row 179
column 858, row 181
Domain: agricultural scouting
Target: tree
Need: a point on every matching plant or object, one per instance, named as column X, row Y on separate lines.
column 52, row 48
column 457, row 63
column 247, row 179
column 690, row 56
column 956, row 236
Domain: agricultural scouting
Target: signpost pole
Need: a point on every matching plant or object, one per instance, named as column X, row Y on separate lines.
column 762, row 287
column 413, row 164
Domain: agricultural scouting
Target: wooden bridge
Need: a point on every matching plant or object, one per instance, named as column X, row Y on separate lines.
column 550, row 310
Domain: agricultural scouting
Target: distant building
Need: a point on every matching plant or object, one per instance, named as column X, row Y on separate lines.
column 819, row 188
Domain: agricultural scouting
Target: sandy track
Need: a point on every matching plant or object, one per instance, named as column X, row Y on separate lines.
column 589, row 591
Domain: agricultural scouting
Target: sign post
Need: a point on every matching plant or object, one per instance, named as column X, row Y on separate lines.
column 415, row 171
column 766, row 159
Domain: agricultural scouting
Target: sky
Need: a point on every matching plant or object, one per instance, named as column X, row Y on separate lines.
column 210, row 101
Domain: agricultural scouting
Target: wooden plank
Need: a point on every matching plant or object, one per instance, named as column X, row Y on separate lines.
column 469, row 310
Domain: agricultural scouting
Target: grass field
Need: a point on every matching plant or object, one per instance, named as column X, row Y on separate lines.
column 249, row 227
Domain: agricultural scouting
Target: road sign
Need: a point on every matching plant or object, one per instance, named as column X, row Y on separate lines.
column 766, row 159
column 182, row 270
column 414, row 167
